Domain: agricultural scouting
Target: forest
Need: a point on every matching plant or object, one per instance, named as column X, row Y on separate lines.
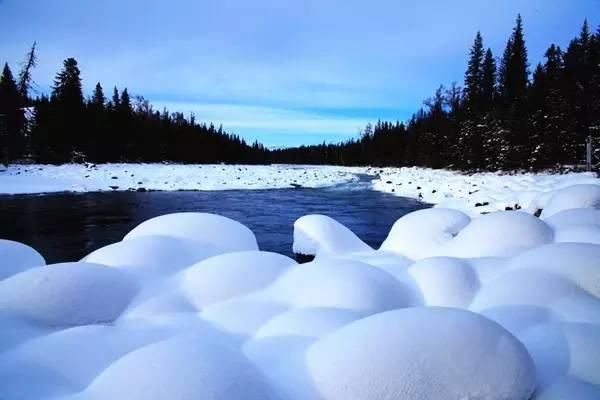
column 506, row 116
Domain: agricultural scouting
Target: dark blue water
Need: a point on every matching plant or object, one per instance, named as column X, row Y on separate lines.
column 66, row 227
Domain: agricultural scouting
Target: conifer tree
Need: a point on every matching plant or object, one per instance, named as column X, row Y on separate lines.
column 488, row 80
column 98, row 98
column 474, row 74
column 11, row 117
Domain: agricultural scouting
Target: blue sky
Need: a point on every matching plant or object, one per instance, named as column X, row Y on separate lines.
column 283, row 72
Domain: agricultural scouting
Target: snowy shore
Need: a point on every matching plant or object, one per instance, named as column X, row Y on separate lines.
column 29, row 179
column 502, row 306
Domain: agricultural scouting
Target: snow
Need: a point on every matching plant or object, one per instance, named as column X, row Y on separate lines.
column 421, row 234
column 17, row 257
column 576, row 196
column 314, row 234
column 231, row 275
column 485, row 192
column 221, row 232
column 22, row 179
column 453, row 305
column 404, row 354
column 69, row 294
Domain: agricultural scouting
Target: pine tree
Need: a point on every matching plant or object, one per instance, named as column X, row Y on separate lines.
column 67, row 102
column 11, row 117
column 25, row 79
column 125, row 103
column 488, row 82
column 116, row 100
column 474, row 74
column 98, row 98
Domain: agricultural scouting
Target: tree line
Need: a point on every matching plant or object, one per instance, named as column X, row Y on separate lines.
column 504, row 118
column 66, row 127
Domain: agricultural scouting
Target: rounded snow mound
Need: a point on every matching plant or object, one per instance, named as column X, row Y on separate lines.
column 153, row 255
column 569, row 388
column 561, row 349
column 421, row 354
column 69, row 294
column 420, row 234
column 183, row 367
column 577, row 262
column 307, row 322
column 576, row 196
column 578, row 234
column 500, row 234
column 526, row 287
column 342, row 284
column 574, row 217
column 230, row 275
column 314, row 234
column 17, row 257
column 221, row 232
column 445, row 281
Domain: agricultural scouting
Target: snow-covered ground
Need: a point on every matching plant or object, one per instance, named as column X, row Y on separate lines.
column 476, row 193
column 21, row 179
column 505, row 306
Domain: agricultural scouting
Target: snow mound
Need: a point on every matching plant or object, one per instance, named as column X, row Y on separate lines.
column 69, row 294
column 314, row 234
column 574, row 217
column 51, row 363
column 569, row 388
column 241, row 317
column 444, row 281
column 342, row 284
column 183, row 367
column 577, row 262
column 221, row 232
column 579, row 234
column 152, row 255
column 17, row 257
column 515, row 288
column 230, row 275
column 576, row 196
column 421, row 234
column 307, row 322
column 561, row 349
column 419, row 354
column 500, row 234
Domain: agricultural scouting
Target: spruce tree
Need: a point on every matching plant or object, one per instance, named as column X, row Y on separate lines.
column 488, row 81
column 11, row 117
column 474, row 74
column 98, row 98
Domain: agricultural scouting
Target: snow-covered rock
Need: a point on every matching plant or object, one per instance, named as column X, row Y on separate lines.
column 342, row 284
column 420, row 234
column 576, row 196
column 69, row 294
column 17, row 257
column 152, row 256
column 307, row 322
column 500, row 234
column 314, row 234
column 445, row 282
column 184, row 367
column 221, row 232
column 564, row 349
column 230, row 275
column 406, row 354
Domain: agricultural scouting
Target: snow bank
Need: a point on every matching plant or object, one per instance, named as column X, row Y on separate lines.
column 17, row 257
column 404, row 354
column 481, row 192
column 69, row 294
column 21, row 179
column 421, row 234
column 314, row 234
column 221, row 232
